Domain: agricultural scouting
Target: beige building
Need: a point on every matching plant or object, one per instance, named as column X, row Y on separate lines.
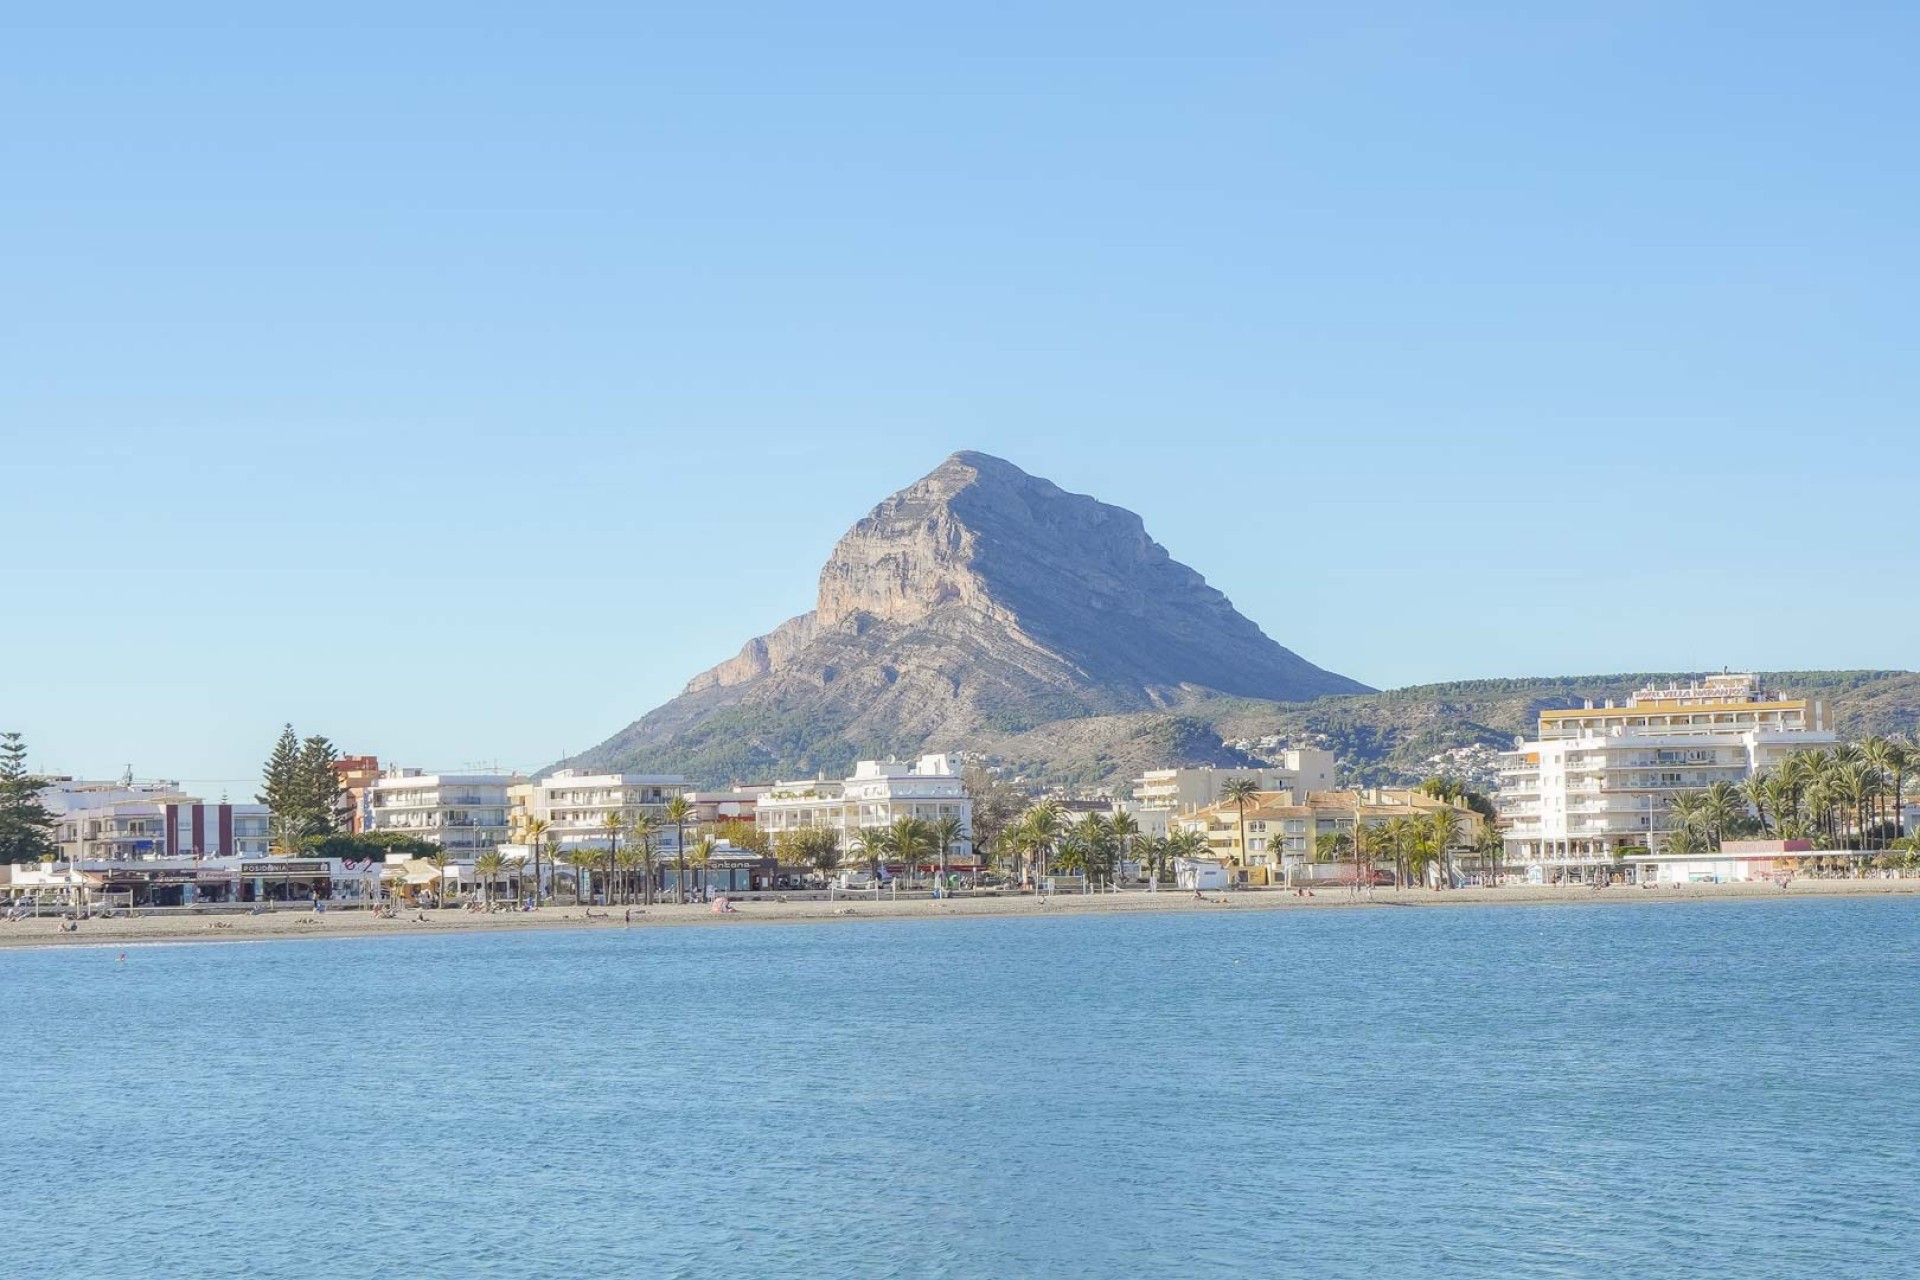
column 575, row 805
column 1283, row 836
column 1182, row 791
column 463, row 813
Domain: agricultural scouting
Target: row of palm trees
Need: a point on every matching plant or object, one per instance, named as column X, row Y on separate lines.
column 912, row 842
column 1421, row 848
column 1852, row 796
column 632, row 846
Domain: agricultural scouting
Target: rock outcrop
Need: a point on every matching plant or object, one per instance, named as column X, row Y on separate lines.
column 980, row 600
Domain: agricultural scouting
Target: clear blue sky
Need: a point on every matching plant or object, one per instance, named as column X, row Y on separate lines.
column 457, row 379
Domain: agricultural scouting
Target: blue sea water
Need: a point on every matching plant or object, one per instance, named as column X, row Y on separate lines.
column 1711, row 1090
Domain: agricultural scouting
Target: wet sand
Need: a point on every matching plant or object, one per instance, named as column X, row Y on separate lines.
column 180, row 927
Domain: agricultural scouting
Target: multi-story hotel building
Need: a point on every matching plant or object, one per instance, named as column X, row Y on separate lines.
column 878, row 793
column 1598, row 780
column 575, row 805
column 463, row 813
column 1181, row 791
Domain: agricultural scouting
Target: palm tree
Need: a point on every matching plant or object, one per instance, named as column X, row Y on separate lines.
column 1756, row 792
column 1095, row 838
column 821, row 848
column 1724, row 809
column 613, row 825
column 679, row 812
column 1396, row 839
column 1687, row 811
column 1444, row 827
column 1857, row 784
column 486, row 867
column 632, row 858
column 1124, row 830
column 873, row 844
column 1040, row 829
column 439, row 859
column 1240, row 792
column 1154, row 853
column 1889, row 757
column 1490, row 845
column 910, row 840
column 640, row 832
column 534, row 832
column 1365, row 846
column 703, row 854
column 948, row 832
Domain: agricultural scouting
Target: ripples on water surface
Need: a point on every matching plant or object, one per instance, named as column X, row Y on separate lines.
column 1701, row 1090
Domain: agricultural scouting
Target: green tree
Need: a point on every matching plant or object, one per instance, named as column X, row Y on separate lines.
column 815, row 847
column 997, row 805
column 26, row 828
column 679, row 812
column 701, row 855
column 873, row 844
column 1240, row 792
column 912, row 841
column 1124, row 830
column 948, row 832
column 319, row 786
column 487, row 867
column 1490, row 845
column 640, row 831
column 1444, row 829
column 1039, row 832
column 613, row 825
column 280, row 783
column 535, row 831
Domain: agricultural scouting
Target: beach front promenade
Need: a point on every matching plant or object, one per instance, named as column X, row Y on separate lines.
column 156, row 927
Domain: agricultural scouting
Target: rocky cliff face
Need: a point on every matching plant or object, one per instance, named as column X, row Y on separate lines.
column 979, row 600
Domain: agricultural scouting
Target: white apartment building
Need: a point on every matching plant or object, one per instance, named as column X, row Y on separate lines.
column 575, row 805
column 126, row 821
column 463, row 813
column 1182, row 791
column 1598, row 780
column 878, row 793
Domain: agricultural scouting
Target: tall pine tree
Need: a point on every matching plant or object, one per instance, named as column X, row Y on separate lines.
column 26, row 829
column 281, row 786
column 321, row 785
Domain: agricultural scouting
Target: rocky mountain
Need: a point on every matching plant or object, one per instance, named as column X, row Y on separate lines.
column 980, row 603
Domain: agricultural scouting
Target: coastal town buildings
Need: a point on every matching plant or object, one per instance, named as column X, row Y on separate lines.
column 737, row 803
column 878, row 793
column 357, row 774
column 126, row 821
column 1284, row 836
column 1182, row 791
column 1595, row 784
column 575, row 804
column 463, row 813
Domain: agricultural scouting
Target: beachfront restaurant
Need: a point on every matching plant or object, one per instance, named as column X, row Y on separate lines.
column 732, row 870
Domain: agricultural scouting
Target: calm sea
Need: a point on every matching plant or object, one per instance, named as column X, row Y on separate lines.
column 1666, row 1090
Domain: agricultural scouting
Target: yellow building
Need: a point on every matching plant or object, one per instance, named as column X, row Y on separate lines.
column 1285, row 840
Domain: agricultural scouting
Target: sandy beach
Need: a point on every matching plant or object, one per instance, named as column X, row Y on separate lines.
column 291, row 924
